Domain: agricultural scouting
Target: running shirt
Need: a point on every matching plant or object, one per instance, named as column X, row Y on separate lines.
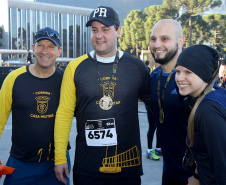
column 173, row 131
column 210, row 139
column 108, row 141
column 33, row 102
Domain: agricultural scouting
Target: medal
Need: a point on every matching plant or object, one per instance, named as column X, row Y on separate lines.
column 161, row 98
column 161, row 115
column 106, row 103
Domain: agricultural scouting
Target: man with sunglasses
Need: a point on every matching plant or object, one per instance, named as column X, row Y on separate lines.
column 32, row 94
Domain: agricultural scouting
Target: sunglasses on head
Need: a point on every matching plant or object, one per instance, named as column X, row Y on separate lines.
column 48, row 33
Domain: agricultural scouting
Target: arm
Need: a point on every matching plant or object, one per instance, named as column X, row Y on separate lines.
column 64, row 116
column 6, row 100
column 212, row 126
column 193, row 180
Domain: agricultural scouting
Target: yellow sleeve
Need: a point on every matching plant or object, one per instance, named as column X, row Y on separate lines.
column 6, row 96
column 65, row 111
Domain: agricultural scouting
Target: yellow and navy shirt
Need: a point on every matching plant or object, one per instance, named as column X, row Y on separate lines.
column 33, row 102
column 108, row 141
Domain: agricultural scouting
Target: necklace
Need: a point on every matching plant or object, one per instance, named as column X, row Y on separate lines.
column 161, row 99
column 106, row 101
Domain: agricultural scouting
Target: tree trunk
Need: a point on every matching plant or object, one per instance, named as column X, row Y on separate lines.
column 137, row 50
column 190, row 31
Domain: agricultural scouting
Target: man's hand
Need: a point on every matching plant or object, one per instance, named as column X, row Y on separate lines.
column 59, row 172
column 193, row 181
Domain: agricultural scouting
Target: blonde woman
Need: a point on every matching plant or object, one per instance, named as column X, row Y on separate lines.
column 196, row 72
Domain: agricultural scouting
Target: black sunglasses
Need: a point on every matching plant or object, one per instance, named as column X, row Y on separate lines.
column 48, row 33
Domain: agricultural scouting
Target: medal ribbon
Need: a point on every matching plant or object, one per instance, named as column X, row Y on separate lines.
column 116, row 61
column 161, row 99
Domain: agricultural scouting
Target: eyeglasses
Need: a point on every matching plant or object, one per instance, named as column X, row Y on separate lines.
column 48, row 33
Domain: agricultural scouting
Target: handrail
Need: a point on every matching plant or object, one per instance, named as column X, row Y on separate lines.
column 11, row 51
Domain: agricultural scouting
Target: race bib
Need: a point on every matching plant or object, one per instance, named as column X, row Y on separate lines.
column 101, row 132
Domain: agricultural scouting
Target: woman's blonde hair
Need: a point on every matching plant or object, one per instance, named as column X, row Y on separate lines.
column 207, row 90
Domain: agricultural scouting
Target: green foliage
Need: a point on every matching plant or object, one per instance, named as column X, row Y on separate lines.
column 217, row 24
column 156, row 13
column 193, row 8
column 135, row 34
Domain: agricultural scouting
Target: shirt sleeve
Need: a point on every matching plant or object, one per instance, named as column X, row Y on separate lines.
column 5, row 101
column 212, row 125
column 64, row 114
column 6, row 96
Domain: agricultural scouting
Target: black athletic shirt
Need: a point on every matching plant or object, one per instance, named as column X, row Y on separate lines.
column 33, row 102
column 81, row 91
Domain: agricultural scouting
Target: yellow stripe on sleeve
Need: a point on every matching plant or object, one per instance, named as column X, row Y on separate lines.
column 6, row 96
column 65, row 111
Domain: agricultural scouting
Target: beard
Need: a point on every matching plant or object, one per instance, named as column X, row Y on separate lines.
column 169, row 56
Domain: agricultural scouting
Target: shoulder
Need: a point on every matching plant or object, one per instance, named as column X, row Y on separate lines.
column 127, row 56
column 211, row 112
column 59, row 71
column 156, row 71
column 76, row 62
column 15, row 73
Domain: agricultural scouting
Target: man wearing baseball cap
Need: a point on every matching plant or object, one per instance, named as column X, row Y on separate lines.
column 32, row 94
column 101, row 89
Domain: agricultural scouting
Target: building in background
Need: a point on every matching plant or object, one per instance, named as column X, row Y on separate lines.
column 122, row 7
column 21, row 19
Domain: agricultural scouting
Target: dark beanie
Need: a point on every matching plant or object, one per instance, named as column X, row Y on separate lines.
column 201, row 60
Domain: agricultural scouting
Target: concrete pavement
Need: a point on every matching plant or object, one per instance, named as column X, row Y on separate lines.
column 152, row 169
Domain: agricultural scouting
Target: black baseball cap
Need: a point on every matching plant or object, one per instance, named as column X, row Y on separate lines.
column 49, row 34
column 105, row 15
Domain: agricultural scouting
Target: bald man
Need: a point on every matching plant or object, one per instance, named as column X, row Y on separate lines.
column 167, row 105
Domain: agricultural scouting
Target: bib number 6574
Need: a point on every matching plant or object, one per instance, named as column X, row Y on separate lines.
column 99, row 134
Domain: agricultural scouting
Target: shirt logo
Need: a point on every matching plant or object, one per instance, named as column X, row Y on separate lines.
column 42, row 104
column 110, row 91
column 174, row 91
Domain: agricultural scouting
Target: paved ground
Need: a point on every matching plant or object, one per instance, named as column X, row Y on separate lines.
column 152, row 169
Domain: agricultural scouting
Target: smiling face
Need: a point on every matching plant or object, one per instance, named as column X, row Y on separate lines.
column 46, row 53
column 166, row 41
column 188, row 82
column 104, row 39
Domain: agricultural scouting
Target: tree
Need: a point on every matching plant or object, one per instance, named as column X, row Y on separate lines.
column 217, row 24
column 200, row 29
column 133, row 33
column 156, row 13
column 193, row 8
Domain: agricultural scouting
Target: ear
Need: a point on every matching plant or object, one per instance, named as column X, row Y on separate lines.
column 118, row 31
column 59, row 52
column 181, row 42
column 33, row 48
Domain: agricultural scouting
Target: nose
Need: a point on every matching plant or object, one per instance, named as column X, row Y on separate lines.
column 157, row 43
column 45, row 50
column 99, row 34
column 180, row 76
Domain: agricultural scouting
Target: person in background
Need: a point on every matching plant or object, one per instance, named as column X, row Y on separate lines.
column 151, row 153
column 196, row 72
column 147, row 63
column 29, row 57
column 101, row 89
column 32, row 94
column 167, row 105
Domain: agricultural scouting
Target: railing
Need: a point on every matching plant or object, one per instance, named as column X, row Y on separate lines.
column 10, row 51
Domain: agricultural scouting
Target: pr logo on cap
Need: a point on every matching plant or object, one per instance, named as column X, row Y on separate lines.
column 105, row 15
column 101, row 11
